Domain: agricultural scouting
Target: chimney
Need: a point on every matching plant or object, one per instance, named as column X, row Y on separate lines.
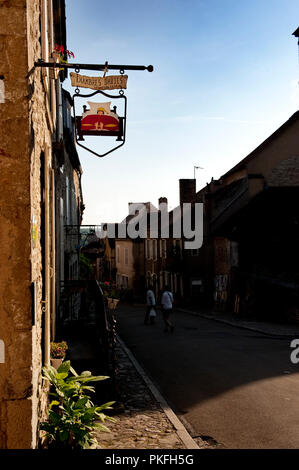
column 163, row 200
column 187, row 190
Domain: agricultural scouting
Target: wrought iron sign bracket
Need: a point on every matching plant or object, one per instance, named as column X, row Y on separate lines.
column 100, row 67
column 109, row 124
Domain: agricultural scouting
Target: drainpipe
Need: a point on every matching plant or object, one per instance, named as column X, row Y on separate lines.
column 80, row 187
column 53, row 261
column 79, row 173
column 47, row 264
column 59, row 120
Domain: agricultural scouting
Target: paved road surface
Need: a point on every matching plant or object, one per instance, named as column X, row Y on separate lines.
column 235, row 386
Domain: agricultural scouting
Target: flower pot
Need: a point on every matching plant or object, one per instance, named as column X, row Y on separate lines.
column 56, row 362
column 112, row 303
column 56, row 56
column 54, row 72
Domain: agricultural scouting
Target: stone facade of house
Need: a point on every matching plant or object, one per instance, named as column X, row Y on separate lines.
column 29, row 30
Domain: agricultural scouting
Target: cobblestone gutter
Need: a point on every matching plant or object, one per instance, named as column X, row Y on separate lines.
column 145, row 422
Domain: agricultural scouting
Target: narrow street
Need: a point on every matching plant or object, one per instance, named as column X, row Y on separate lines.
column 232, row 387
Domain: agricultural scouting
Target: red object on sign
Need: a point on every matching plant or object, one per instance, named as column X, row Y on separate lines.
column 99, row 122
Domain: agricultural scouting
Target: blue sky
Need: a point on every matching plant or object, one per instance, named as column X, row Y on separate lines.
column 226, row 76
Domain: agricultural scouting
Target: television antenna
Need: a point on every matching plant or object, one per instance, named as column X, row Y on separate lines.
column 197, row 168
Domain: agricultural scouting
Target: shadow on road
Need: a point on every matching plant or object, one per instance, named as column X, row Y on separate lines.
column 242, row 382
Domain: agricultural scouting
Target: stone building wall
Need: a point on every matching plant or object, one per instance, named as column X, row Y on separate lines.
column 41, row 128
column 277, row 159
column 286, row 173
column 15, row 312
column 26, row 127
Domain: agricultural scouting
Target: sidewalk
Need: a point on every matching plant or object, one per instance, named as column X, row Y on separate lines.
column 266, row 328
column 145, row 421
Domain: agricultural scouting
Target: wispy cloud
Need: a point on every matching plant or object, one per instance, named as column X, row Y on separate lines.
column 195, row 118
column 109, row 43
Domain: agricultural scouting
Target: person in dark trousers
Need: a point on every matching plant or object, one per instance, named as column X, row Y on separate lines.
column 167, row 307
column 150, row 303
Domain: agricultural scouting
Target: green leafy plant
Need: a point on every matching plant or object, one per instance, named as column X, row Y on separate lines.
column 58, row 350
column 72, row 416
column 85, row 267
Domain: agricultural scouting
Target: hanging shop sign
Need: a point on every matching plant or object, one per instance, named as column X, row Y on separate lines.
column 111, row 82
column 100, row 119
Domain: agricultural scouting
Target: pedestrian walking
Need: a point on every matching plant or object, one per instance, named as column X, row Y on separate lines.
column 150, row 304
column 167, row 307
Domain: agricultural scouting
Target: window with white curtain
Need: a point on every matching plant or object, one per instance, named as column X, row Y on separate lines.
column 118, row 254
column 149, row 249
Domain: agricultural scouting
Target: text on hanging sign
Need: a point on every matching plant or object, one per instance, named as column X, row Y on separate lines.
column 112, row 82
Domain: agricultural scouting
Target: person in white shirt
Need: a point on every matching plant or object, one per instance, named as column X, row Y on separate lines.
column 150, row 303
column 167, row 306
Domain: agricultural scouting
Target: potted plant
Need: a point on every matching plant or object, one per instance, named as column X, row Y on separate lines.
column 112, row 294
column 73, row 418
column 57, row 353
column 59, row 56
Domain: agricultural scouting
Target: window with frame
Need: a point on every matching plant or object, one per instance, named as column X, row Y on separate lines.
column 47, row 46
column 118, row 254
column 177, row 247
column 163, row 249
column 45, row 33
column 171, row 281
column 67, row 200
column 125, row 282
column 149, row 249
column 161, row 278
column 154, row 278
column 175, row 283
column 155, row 251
